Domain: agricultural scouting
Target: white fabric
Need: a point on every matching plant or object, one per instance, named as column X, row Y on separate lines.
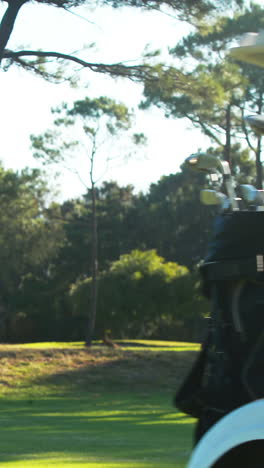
column 241, row 425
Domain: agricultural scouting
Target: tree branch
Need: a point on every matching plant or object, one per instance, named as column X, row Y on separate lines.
column 205, row 128
column 245, row 130
column 133, row 72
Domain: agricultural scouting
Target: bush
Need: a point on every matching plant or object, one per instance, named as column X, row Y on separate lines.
column 141, row 295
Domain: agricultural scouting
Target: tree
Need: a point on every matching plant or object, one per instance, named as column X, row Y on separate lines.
column 178, row 225
column 28, row 240
column 116, row 221
column 207, row 44
column 186, row 10
column 215, row 91
column 99, row 120
column 141, row 295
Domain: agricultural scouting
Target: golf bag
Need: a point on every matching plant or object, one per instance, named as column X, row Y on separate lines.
column 229, row 371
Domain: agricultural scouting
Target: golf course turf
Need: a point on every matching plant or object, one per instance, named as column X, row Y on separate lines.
column 63, row 405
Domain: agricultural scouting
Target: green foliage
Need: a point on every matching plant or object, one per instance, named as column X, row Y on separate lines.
column 176, row 223
column 95, row 122
column 209, row 88
column 195, row 6
column 138, row 264
column 46, row 143
column 99, row 107
column 186, row 9
column 100, row 119
column 46, row 252
column 28, row 243
column 139, row 139
column 216, row 36
column 140, row 295
column 201, row 95
column 22, row 211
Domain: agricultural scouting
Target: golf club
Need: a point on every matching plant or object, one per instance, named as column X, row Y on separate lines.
column 256, row 122
column 212, row 197
column 251, row 195
column 203, row 162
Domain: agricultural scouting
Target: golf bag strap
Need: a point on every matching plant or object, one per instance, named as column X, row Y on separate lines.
column 236, row 317
column 219, row 344
column 256, row 348
column 245, row 377
column 224, row 270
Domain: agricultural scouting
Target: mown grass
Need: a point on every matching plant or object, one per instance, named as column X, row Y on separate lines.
column 139, row 344
column 66, row 405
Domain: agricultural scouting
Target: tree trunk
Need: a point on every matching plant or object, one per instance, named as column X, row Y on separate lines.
column 258, row 152
column 228, row 135
column 94, row 285
column 7, row 23
column 259, row 165
column 4, row 322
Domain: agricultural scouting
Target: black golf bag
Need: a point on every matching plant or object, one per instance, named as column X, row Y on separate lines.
column 229, row 371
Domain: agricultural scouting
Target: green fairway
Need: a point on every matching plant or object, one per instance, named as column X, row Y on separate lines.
column 100, row 430
column 91, row 413
column 129, row 345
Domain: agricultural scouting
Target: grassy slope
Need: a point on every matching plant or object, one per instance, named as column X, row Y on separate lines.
column 65, row 405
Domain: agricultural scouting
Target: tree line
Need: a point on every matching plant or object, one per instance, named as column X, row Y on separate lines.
column 114, row 259
column 149, row 245
column 46, row 257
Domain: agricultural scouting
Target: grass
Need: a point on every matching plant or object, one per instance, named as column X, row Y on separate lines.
column 63, row 405
column 139, row 344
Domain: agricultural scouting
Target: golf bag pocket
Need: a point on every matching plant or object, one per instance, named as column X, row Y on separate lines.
column 249, row 309
column 234, row 369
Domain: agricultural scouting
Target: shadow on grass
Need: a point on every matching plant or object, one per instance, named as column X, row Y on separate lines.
column 101, row 427
column 115, row 409
column 119, row 370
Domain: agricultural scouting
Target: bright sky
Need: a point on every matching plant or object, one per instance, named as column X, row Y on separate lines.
column 119, row 35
